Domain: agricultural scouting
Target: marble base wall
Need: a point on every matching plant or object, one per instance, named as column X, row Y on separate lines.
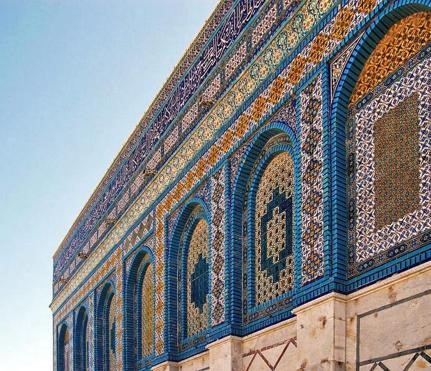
column 386, row 326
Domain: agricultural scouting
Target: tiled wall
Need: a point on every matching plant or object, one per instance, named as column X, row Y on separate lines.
column 284, row 190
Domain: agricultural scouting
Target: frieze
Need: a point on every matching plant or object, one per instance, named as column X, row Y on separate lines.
column 145, row 136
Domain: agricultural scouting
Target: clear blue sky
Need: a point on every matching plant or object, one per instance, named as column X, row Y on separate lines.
column 75, row 78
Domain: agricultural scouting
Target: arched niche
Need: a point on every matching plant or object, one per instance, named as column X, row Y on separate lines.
column 380, row 122
column 265, row 252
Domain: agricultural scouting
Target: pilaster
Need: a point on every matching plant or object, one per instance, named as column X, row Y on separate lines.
column 321, row 331
column 166, row 366
column 226, row 354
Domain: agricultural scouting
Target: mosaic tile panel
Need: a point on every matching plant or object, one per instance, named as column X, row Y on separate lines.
column 147, row 312
column 197, row 280
column 118, row 313
column 140, row 231
column 111, row 327
column 56, row 348
column 235, row 162
column 190, row 116
column 83, row 342
column 397, row 196
column 235, row 60
column 274, row 230
column 176, row 92
column 91, row 324
column 86, row 344
column 373, row 241
column 401, row 42
column 262, row 105
column 212, row 89
column 159, row 342
column 218, row 225
column 91, row 285
column 63, row 348
column 112, row 340
column 67, row 350
column 338, row 64
column 171, row 140
column 70, row 331
column 185, row 83
column 172, row 222
column 203, row 192
column 311, row 169
column 286, row 114
column 264, row 26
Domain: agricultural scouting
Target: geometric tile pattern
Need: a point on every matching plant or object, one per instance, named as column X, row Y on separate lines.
column 197, row 280
column 396, row 196
column 90, row 286
column 273, row 230
column 286, row 114
column 69, row 346
column 159, row 268
column 147, row 312
column 218, row 222
column 139, row 232
column 90, row 338
column 223, row 110
column 339, row 62
column 351, row 14
column 117, row 307
column 112, row 321
column 311, row 165
column 86, row 344
column 67, row 350
column 246, row 85
column 235, row 60
column 311, row 169
column 264, row 25
column 372, row 242
column 403, row 40
column 235, row 162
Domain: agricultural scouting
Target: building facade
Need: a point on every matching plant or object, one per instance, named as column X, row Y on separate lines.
column 272, row 210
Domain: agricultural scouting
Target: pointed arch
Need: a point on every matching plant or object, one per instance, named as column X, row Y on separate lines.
column 258, row 199
column 106, row 329
column 371, row 66
column 64, row 349
column 139, row 316
column 81, row 343
column 188, row 277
